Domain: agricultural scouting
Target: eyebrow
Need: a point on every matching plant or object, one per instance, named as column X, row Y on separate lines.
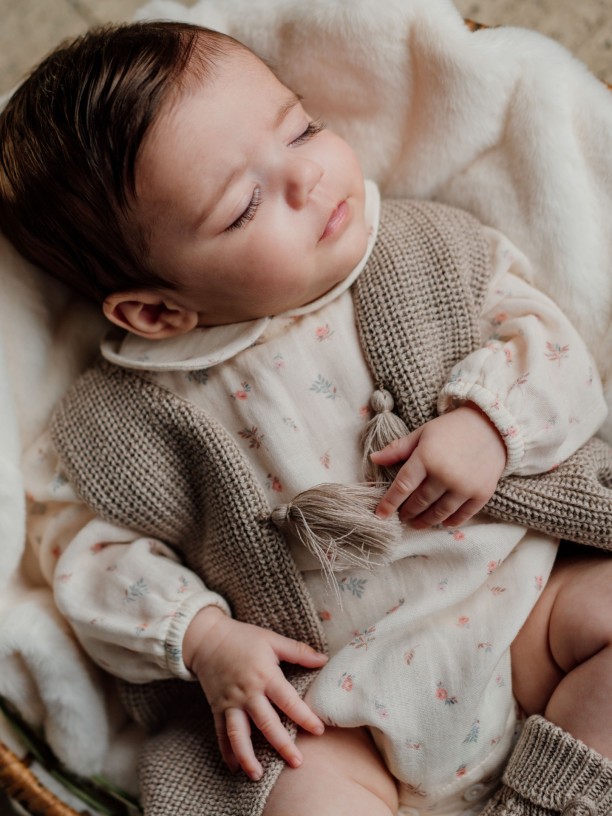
column 283, row 111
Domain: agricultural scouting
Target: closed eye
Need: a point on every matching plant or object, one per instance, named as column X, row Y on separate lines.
column 312, row 130
column 249, row 213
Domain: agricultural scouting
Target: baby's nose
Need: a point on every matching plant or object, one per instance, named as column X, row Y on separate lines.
column 303, row 175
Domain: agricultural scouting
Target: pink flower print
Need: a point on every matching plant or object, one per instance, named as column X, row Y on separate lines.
column 346, row 682
column 509, row 433
column 242, row 393
column 279, row 362
column 443, row 695
column 323, row 333
column 461, row 771
column 274, row 483
column 324, row 615
column 414, row 746
column 98, row 547
column 486, row 647
column 499, row 681
column 492, row 566
column 364, row 638
column 183, row 585
column 499, row 318
column 365, row 412
column 253, row 436
column 442, row 585
column 539, row 582
column 381, row 710
column 556, row 353
column 142, row 627
column 397, row 606
column 410, row 655
column 508, row 355
column 497, row 590
column 463, row 622
column 496, row 404
column 495, row 740
column 458, row 535
column 325, row 460
column 64, row 577
column 519, row 381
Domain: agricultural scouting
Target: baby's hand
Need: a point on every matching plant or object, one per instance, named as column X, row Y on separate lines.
column 237, row 665
column 451, row 468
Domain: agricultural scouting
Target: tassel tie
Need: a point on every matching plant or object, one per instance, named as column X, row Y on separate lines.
column 336, row 522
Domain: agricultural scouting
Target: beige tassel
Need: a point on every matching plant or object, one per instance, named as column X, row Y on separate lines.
column 383, row 428
column 337, row 524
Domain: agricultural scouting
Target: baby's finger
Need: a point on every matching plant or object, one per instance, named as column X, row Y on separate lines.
column 402, row 487
column 224, row 744
column 296, row 651
column 438, row 512
column 422, row 500
column 239, row 736
column 398, row 450
column 286, row 698
column 267, row 720
column 464, row 513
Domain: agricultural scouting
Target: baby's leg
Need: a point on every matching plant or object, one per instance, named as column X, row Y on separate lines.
column 562, row 657
column 342, row 775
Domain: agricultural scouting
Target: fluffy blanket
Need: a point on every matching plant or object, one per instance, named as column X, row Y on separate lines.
column 502, row 122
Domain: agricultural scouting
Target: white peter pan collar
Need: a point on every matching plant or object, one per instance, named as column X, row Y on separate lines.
column 207, row 347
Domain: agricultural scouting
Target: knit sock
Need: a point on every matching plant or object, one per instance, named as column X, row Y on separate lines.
column 550, row 773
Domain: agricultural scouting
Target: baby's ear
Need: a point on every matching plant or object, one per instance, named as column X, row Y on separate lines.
column 149, row 313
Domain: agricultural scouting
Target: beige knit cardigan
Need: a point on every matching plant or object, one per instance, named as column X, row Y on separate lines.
column 145, row 459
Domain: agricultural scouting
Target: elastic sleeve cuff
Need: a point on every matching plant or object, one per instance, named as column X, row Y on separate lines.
column 455, row 394
column 173, row 644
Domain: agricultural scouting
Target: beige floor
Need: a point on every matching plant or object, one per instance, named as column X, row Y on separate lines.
column 30, row 28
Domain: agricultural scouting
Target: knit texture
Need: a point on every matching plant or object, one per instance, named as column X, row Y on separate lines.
column 143, row 458
column 550, row 773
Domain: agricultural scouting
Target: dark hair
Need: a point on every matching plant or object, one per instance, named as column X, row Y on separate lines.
column 69, row 138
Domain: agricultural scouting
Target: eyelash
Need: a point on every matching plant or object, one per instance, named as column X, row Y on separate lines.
column 312, row 129
column 249, row 213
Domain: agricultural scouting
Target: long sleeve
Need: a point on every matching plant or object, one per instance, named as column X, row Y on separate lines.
column 533, row 375
column 128, row 598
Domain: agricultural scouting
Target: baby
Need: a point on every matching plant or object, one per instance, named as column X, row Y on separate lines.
column 190, row 501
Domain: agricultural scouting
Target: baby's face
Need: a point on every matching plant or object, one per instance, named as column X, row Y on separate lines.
column 250, row 206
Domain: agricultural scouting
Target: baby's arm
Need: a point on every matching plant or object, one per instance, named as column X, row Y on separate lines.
column 142, row 615
column 533, row 379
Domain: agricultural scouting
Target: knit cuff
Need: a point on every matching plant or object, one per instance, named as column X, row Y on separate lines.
column 556, row 771
column 455, row 394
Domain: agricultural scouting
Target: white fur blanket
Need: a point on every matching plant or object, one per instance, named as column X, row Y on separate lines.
column 502, row 122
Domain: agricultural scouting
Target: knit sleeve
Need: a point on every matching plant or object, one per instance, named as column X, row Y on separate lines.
column 127, row 597
column 533, row 376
